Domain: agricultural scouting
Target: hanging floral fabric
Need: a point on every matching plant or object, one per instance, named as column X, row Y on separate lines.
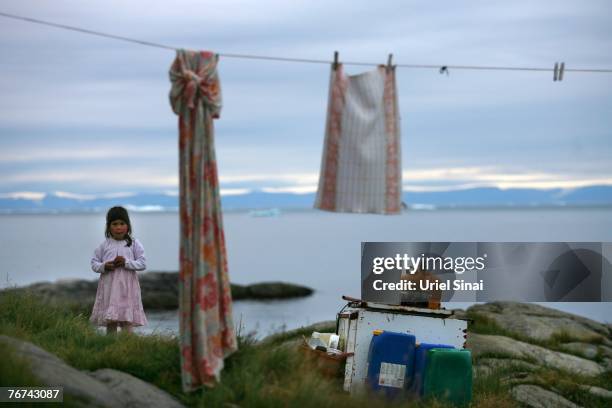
column 361, row 164
column 206, row 327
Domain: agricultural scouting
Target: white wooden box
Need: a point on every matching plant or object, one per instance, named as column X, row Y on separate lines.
column 357, row 321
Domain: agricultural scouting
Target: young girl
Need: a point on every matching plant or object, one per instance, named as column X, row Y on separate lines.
column 117, row 259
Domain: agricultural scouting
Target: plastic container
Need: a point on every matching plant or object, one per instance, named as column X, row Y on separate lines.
column 327, row 340
column 390, row 362
column 420, row 363
column 448, row 376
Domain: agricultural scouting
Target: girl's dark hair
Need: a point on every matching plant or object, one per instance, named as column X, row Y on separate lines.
column 119, row 213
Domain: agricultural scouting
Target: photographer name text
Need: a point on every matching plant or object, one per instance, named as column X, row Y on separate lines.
column 428, row 285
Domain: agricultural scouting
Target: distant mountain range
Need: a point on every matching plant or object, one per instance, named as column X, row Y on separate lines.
column 476, row 197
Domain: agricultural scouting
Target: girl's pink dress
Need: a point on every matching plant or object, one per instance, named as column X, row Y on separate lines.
column 118, row 297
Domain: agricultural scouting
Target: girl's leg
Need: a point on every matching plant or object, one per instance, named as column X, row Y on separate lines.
column 111, row 328
column 126, row 326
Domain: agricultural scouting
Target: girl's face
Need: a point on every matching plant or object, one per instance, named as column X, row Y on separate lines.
column 118, row 229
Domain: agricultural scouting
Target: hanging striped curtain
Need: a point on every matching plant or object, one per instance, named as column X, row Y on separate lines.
column 206, row 327
column 361, row 164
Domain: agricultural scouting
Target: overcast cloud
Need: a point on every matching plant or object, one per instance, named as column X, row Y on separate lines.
column 89, row 115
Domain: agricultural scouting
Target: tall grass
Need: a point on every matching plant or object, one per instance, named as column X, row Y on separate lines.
column 268, row 374
column 258, row 375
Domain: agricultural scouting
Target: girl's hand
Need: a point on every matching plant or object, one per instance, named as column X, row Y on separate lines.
column 109, row 266
column 119, row 262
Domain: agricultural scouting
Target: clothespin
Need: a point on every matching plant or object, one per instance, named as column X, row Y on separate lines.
column 558, row 71
column 335, row 64
column 389, row 61
column 444, row 70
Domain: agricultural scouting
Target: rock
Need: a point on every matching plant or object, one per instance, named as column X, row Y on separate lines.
column 541, row 323
column 52, row 371
column 134, row 392
column 606, row 351
column 537, row 397
column 519, row 378
column 159, row 291
column 507, row 362
column 277, row 290
column 491, row 345
column 459, row 314
column 596, row 391
column 103, row 388
column 486, row 366
column 587, row 350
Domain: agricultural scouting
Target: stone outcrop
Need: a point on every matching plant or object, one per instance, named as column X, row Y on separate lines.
column 488, row 365
column 541, row 323
column 134, row 392
column 537, row 397
column 534, row 338
column 490, row 345
column 159, row 291
column 102, row 388
column 586, row 350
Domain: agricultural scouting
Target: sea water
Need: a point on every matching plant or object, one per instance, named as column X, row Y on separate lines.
column 321, row 250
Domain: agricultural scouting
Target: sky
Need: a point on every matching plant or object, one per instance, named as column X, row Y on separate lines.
column 89, row 116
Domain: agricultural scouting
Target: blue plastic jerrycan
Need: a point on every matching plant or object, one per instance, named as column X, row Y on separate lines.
column 390, row 362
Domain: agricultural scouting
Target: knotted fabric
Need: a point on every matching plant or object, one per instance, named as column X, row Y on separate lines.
column 206, row 326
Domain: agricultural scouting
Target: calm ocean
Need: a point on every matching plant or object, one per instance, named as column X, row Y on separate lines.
column 317, row 249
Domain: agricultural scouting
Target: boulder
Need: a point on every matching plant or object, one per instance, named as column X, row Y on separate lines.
column 486, row 366
column 276, row 290
column 537, row 397
column 587, row 350
column 505, row 347
column 459, row 314
column 541, row 323
column 103, row 388
column 52, row 371
column 606, row 351
column 597, row 391
column 134, row 392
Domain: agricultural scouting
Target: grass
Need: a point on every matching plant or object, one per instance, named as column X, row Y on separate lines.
column 258, row 375
column 491, row 392
column 482, row 324
column 15, row 371
column 568, row 385
column 494, row 390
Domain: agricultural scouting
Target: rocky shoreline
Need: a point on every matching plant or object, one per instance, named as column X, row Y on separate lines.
column 159, row 291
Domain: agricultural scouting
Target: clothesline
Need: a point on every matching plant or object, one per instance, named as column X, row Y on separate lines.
column 302, row 60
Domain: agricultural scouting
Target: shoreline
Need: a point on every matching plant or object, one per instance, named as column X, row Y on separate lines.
column 159, row 291
column 296, row 210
